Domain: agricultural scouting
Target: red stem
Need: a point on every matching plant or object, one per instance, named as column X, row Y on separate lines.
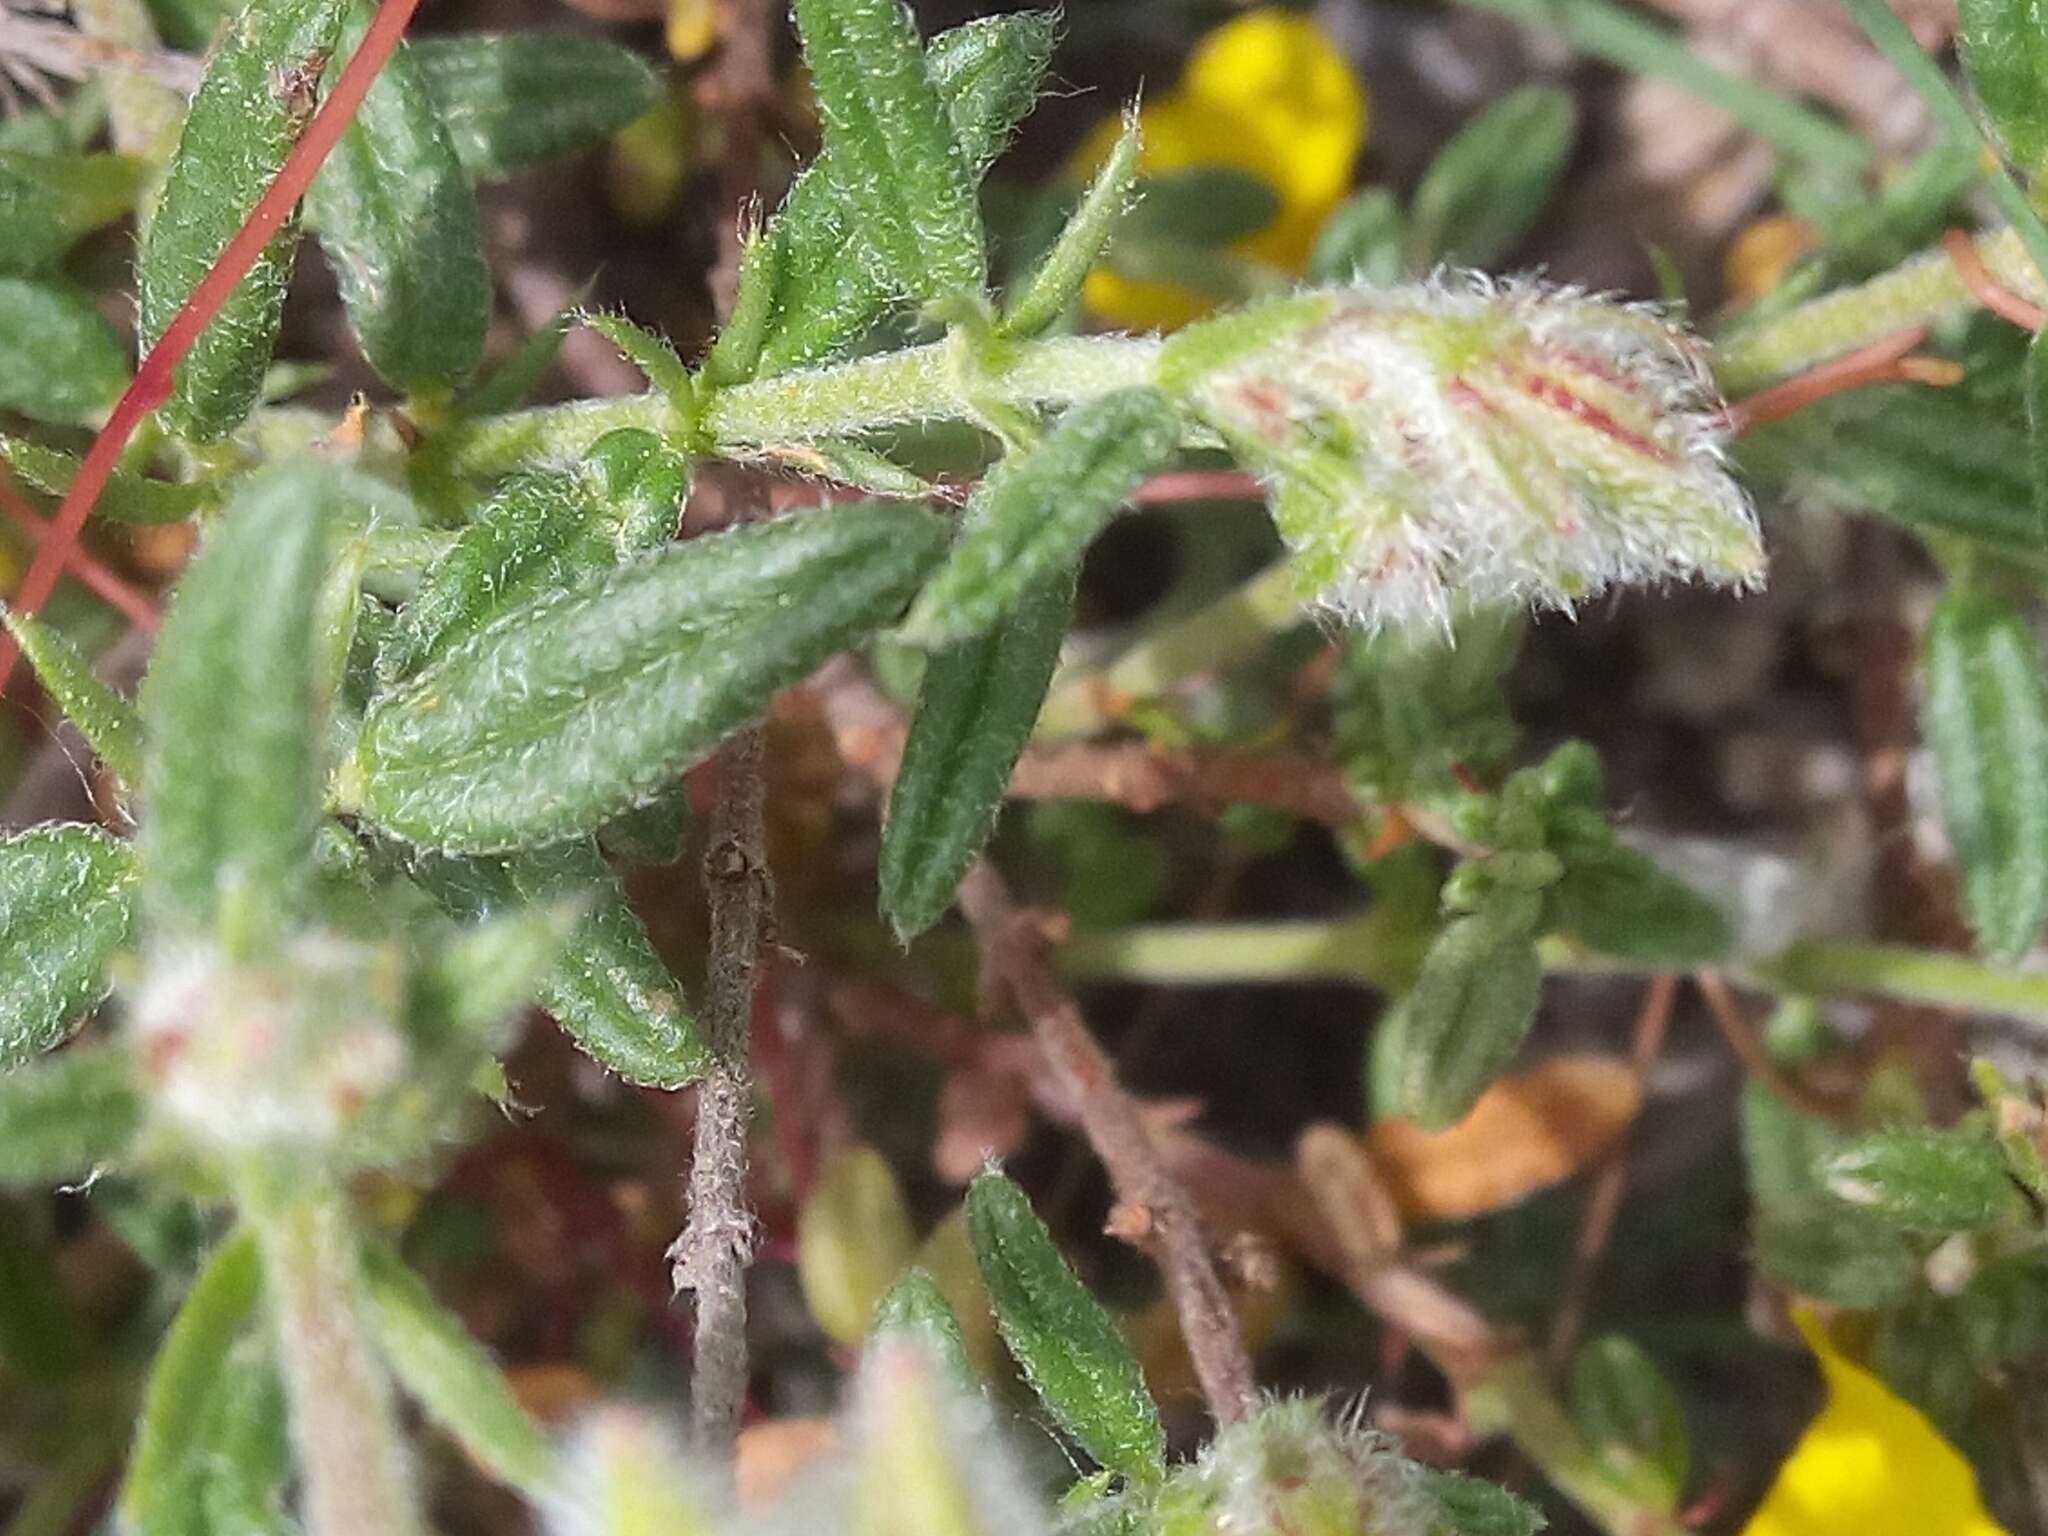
column 152, row 383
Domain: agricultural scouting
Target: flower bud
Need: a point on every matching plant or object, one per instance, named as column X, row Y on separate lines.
column 1463, row 442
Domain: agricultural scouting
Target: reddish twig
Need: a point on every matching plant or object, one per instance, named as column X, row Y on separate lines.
column 1988, row 290
column 1198, row 485
column 1884, row 361
column 1749, row 1050
column 111, row 589
column 1013, row 961
column 151, row 385
column 1610, row 1182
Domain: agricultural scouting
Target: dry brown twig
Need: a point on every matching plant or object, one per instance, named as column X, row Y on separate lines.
column 1014, row 962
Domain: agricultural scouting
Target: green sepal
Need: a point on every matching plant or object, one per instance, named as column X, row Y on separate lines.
column 975, row 710
column 247, row 114
column 1466, row 1017
column 441, row 1365
column 901, row 165
column 106, row 720
column 1038, row 510
column 1487, row 186
column 589, row 702
column 59, row 359
column 607, row 988
column 232, row 708
column 1047, row 295
column 1985, row 719
column 513, row 100
column 1066, row 1344
column 67, row 897
column 398, row 221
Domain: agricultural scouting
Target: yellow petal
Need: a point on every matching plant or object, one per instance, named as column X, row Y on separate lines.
column 1869, row 1465
column 691, row 30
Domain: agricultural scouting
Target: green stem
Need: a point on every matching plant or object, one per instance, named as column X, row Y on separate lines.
column 1227, row 629
column 1354, row 948
column 1642, row 47
column 355, row 1471
column 1920, row 291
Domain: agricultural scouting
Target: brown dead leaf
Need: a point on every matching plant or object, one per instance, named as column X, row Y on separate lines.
column 1526, row 1133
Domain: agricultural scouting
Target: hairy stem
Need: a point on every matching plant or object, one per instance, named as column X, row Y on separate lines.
column 356, row 1476
column 710, row 1258
column 1013, row 958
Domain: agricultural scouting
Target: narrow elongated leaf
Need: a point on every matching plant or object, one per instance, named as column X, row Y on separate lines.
column 107, row 721
column 514, row 100
column 66, row 907
column 256, row 98
column 191, row 1366
column 607, row 988
column 1465, row 1018
column 1056, row 283
column 49, row 202
column 585, row 704
column 66, row 1114
column 974, row 714
column 655, row 356
column 886, row 123
column 397, row 217
column 128, row 497
column 737, row 351
column 437, row 1361
column 1067, row 1345
column 245, row 1466
column 1486, row 187
column 1624, row 1406
column 1038, row 510
column 230, row 707
column 832, row 283
column 59, row 359
column 2005, row 53
column 1985, row 718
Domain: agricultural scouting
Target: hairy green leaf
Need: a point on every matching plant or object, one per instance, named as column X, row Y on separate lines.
column 1466, row 1017
column 736, row 353
column 255, row 100
column 66, row 907
column 832, row 282
column 902, row 165
column 655, row 356
column 607, row 988
column 1414, row 706
column 231, row 711
column 1627, row 1410
column 158, row 1495
column 128, row 497
column 1926, row 1180
column 1056, row 283
column 106, row 720
column 1038, row 510
column 49, row 202
column 974, row 714
column 916, row 1306
column 1618, row 901
column 245, row 1468
column 1475, row 1507
column 59, row 359
column 2005, row 52
column 398, row 220
column 589, row 702
column 64, row 1115
column 513, row 100
column 1985, row 718
column 1067, row 1345
column 1483, row 191
column 436, row 1359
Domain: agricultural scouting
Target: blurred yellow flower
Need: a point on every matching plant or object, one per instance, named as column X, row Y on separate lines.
column 1869, row 1465
column 1267, row 94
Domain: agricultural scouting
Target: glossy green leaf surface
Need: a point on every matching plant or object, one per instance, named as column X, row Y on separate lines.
column 397, row 219
column 1465, row 1018
column 66, row 907
column 437, row 1361
column 607, row 988
column 256, row 98
column 1068, row 1347
column 231, row 708
column 49, row 202
column 516, row 99
column 1984, row 715
column 60, row 360
column 975, row 710
column 589, row 702
column 1038, row 510
column 106, row 720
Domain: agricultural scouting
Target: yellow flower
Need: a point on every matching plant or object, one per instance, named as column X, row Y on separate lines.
column 1869, row 1465
column 1267, row 94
